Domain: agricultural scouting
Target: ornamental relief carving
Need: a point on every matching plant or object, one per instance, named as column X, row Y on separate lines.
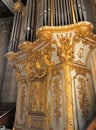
column 82, row 92
column 38, row 96
column 83, row 99
column 56, row 97
column 65, row 46
column 36, row 65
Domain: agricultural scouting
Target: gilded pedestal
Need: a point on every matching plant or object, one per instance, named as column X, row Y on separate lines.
column 54, row 87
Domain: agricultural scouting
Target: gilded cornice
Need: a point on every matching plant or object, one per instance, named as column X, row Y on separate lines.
column 66, row 39
column 83, row 29
column 67, row 28
column 45, row 35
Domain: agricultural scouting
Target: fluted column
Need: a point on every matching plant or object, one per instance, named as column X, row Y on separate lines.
column 14, row 39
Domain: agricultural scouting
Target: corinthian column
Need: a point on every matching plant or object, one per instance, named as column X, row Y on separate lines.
column 14, row 39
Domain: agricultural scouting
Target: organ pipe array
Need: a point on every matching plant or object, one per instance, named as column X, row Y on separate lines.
column 16, row 26
column 54, row 13
column 63, row 12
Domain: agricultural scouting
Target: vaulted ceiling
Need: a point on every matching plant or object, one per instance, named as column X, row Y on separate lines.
column 4, row 8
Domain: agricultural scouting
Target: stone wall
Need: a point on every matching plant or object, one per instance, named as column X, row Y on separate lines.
column 7, row 80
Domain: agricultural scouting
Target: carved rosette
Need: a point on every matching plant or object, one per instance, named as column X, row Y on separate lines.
column 58, row 92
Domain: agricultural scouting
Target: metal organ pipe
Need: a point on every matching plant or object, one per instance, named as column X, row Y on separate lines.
column 65, row 12
column 15, row 31
column 49, row 12
column 56, row 13
column 82, row 15
column 27, row 21
column 33, row 22
column 30, row 20
column 62, row 12
column 18, row 32
column 42, row 16
column 76, row 10
column 58, row 10
column 45, row 12
column 13, row 45
column 12, row 33
column 14, row 22
column 70, row 12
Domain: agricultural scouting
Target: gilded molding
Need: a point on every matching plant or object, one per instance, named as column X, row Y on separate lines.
column 83, row 100
column 81, row 25
column 81, row 70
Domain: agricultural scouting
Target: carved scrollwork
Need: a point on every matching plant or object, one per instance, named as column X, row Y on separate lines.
column 83, row 100
column 36, row 65
column 38, row 97
column 66, row 47
column 57, row 92
column 81, row 70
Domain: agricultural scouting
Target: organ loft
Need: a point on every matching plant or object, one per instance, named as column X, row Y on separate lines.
column 51, row 48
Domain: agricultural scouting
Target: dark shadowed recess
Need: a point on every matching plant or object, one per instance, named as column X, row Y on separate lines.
column 5, row 12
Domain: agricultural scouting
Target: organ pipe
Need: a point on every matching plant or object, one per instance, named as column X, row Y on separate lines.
column 76, row 10
column 56, row 13
column 33, row 22
column 62, row 12
column 30, row 20
column 45, row 12
column 13, row 45
column 49, row 12
column 27, row 21
column 65, row 12
column 81, row 5
column 58, row 9
column 73, row 11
